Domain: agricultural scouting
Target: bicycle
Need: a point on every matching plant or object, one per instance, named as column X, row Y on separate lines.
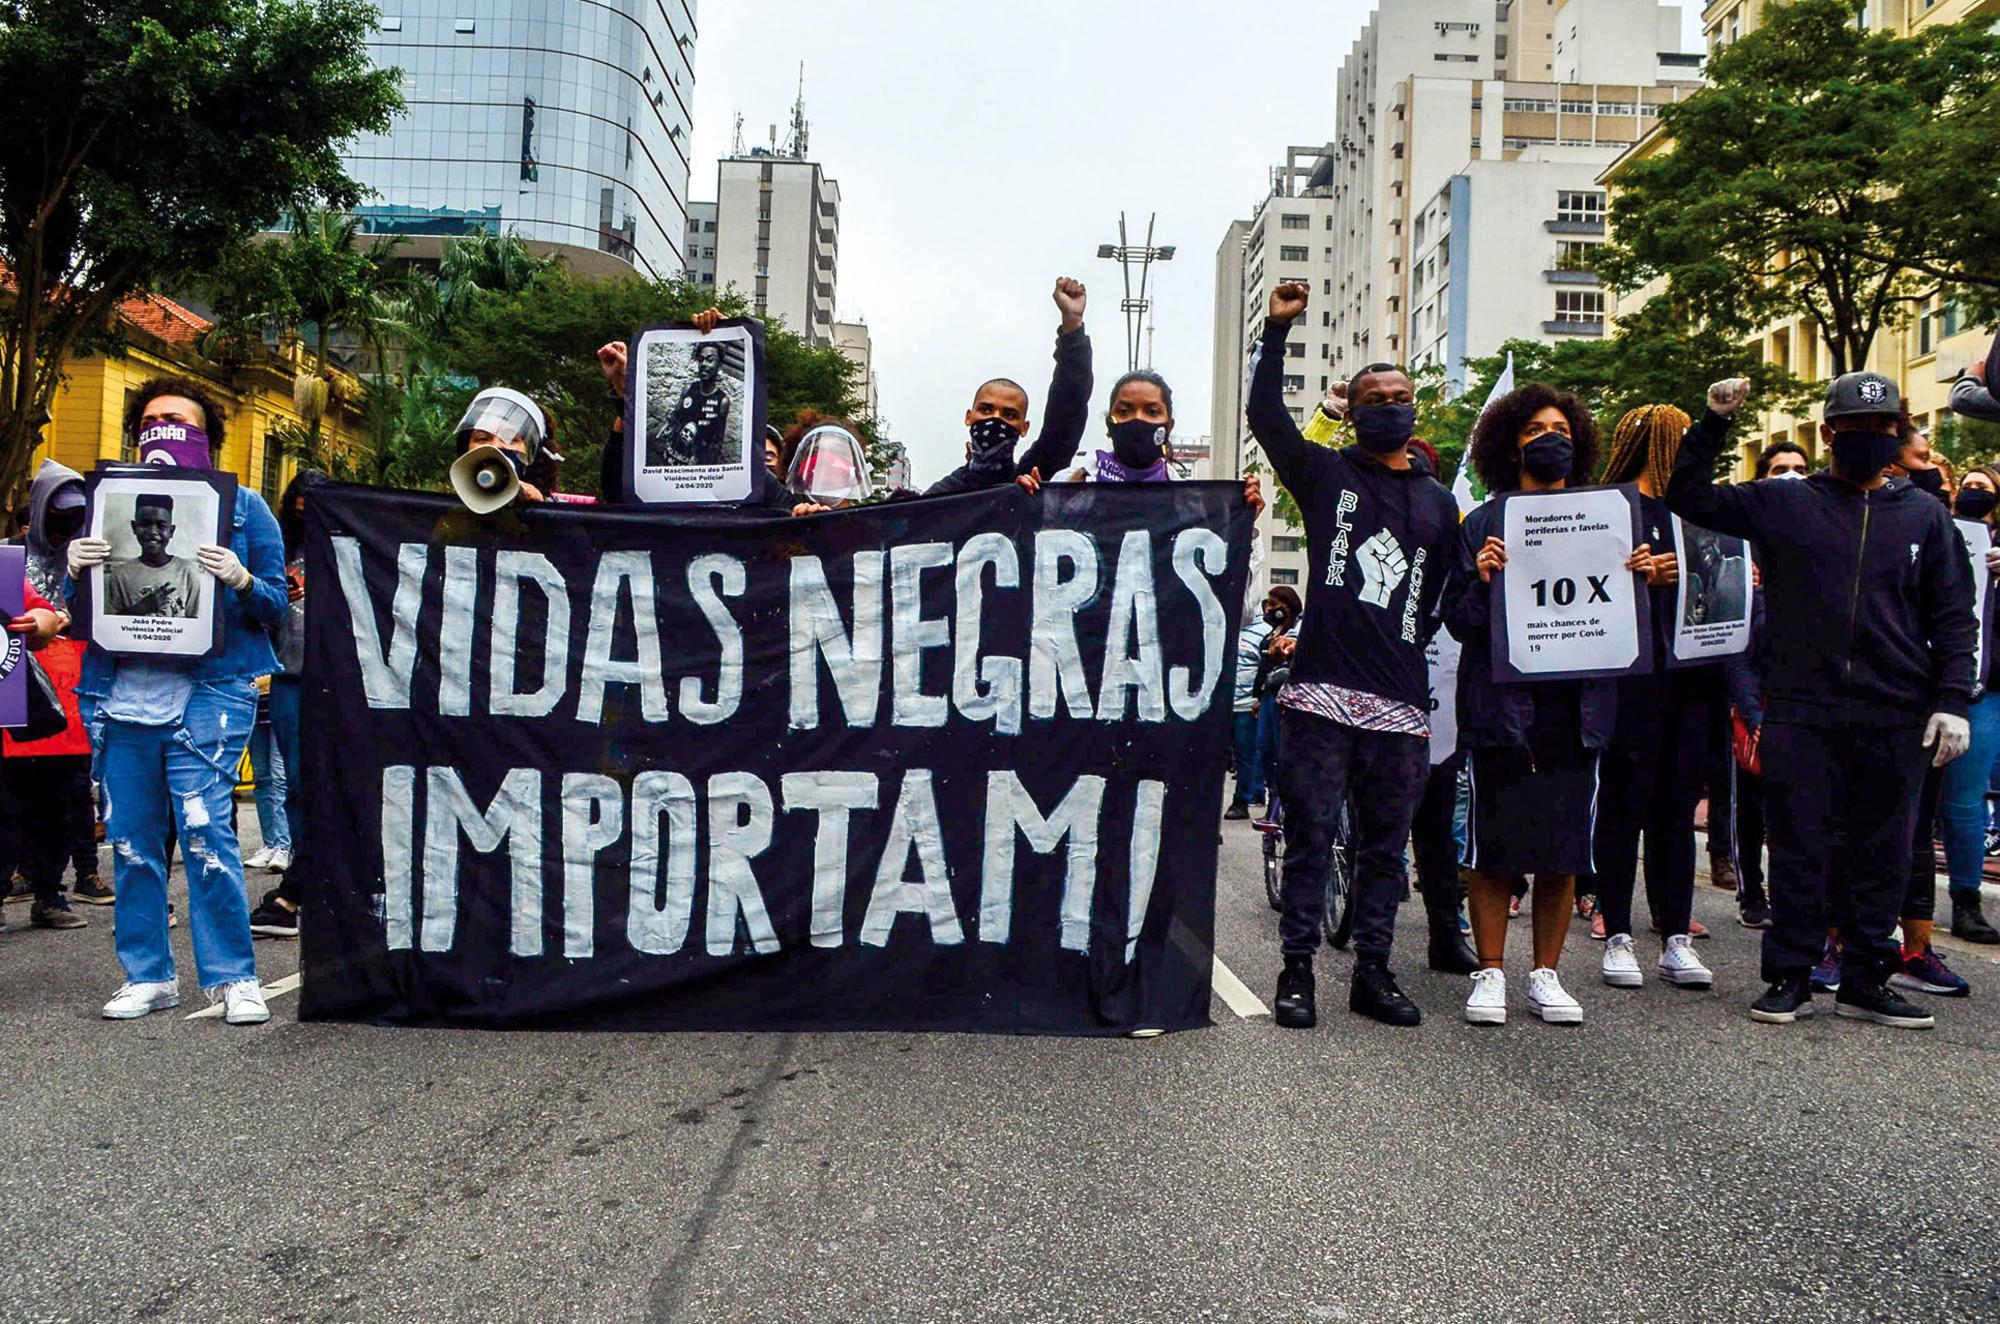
column 1339, row 922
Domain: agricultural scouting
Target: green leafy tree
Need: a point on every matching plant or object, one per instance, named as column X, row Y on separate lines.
column 1827, row 172
column 143, row 138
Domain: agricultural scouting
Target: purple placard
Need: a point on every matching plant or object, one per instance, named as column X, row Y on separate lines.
column 13, row 652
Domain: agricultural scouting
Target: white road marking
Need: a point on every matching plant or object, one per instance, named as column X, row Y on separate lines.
column 278, row 988
column 1236, row 993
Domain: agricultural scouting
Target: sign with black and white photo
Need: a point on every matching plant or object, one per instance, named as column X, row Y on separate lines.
column 152, row 597
column 695, row 411
column 1712, row 604
column 1567, row 605
column 1978, row 537
column 923, row 765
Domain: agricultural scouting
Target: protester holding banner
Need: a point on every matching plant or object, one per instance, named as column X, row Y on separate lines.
column 1354, row 726
column 1652, row 770
column 1962, row 802
column 168, row 733
column 1868, row 598
column 1532, row 747
column 998, row 418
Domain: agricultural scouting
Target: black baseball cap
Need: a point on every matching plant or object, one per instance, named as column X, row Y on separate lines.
column 1861, row 393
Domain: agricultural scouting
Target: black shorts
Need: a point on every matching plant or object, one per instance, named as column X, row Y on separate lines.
column 1533, row 811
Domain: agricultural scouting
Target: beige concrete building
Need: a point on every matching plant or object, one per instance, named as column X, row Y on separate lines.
column 858, row 347
column 777, row 238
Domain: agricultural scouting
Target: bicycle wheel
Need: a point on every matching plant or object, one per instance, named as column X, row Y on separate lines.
column 1274, row 869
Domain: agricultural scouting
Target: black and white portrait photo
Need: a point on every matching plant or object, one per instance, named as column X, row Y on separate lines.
column 697, row 406
column 1713, row 616
column 152, row 596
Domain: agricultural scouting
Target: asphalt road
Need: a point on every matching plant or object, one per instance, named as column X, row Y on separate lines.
column 1667, row 1160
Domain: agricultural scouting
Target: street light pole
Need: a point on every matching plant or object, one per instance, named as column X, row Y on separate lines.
column 1135, row 306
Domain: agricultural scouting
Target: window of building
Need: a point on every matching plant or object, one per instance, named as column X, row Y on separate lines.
column 1295, row 221
column 465, row 25
column 1576, row 108
column 1529, row 105
column 1295, row 349
column 1295, row 382
column 1579, row 205
column 1580, row 306
column 391, row 24
column 1616, row 108
column 1448, row 57
column 1294, row 253
column 1282, row 576
column 1285, row 542
column 1575, row 255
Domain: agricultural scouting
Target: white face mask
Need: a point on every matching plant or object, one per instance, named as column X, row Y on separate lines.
column 1791, row 473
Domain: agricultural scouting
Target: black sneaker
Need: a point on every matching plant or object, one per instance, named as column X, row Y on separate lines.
column 55, row 914
column 1969, row 922
column 271, row 920
column 1754, row 915
column 1785, row 1001
column 1450, row 952
column 1869, row 1000
column 1294, row 1004
column 1237, row 809
column 92, row 892
column 1374, row 994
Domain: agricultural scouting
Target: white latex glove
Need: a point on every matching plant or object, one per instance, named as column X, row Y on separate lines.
column 1951, row 735
column 1335, row 404
column 222, row 563
column 1727, row 395
column 85, row 553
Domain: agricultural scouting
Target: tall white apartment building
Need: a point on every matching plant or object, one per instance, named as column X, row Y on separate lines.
column 857, row 346
column 777, row 238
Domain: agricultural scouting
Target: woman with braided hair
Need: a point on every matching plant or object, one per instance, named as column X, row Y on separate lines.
column 1653, row 768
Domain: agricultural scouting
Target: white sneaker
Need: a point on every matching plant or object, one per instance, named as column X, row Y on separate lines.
column 243, row 1003
column 1679, row 964
column 1621, row 967
column 280, row 859
column 1547, row 999
column 260, row 860
column 132, row 1001
column 1488, row 1003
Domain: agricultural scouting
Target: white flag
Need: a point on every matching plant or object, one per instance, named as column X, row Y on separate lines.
column 1461, row 487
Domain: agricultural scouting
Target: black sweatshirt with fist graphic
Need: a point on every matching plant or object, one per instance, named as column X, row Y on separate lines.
column 1379, row 542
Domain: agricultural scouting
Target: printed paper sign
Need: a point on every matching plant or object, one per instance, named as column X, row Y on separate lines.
column 1712, row 605
column 1568, row 605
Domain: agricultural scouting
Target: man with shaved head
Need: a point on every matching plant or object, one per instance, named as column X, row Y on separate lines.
column 998, row 418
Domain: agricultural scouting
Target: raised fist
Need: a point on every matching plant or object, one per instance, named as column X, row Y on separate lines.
column 611, row 358
column 1727, row 395
column 1288, row 301
column 1383, row 566
column 1071, row 297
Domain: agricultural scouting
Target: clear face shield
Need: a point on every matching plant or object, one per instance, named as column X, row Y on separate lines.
column 830, row 467
column 510, row 421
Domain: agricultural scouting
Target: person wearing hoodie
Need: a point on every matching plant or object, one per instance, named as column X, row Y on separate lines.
column 1972, row 395
column 167, row 734
column 53, row 775
column 1962, row 797
column 1870, row 632
column 1354, row 723
column 277, row 915
column 998, row 418
column 45, row 784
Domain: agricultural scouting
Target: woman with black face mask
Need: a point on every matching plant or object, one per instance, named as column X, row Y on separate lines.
column 1531, row 748
column 1962, row 797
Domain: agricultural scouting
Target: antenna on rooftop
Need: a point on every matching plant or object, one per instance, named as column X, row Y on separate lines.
column 736, row 143
column 796, row 144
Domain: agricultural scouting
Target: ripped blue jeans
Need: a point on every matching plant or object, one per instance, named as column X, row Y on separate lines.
column 188, row 769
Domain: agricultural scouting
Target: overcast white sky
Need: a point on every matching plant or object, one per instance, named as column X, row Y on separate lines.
column 983, row 150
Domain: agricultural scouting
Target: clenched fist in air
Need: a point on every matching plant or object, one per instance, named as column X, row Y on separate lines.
column 1070, row 297
column 1288, row 301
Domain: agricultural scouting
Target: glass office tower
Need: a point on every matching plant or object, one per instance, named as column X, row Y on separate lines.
column 567, row 120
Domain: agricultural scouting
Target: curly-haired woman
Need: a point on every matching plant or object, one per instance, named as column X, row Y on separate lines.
column 1531, row 748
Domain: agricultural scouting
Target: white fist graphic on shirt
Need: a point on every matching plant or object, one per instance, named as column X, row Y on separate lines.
column 1383, row 566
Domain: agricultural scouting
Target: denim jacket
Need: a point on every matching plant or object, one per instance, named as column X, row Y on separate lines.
column 248, row 617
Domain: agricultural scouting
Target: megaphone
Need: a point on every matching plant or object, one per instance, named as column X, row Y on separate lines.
column 485, row 479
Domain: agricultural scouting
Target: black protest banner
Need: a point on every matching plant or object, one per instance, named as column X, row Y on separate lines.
column 945, row 764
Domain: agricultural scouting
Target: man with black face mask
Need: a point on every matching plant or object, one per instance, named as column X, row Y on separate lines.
column 998, row 418
column 1354, row 716
column 1869, row 644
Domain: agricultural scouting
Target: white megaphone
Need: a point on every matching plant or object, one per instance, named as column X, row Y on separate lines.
column 485, row 479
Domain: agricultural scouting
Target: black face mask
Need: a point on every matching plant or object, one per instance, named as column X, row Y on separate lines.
column 1976, row 502
column 993, row 442
column 1860, row 456
column 59, row 526
column 1276, row 617
column 1548, row 459
column 1929, row 480
column 1383, row 428
column 1137, row 443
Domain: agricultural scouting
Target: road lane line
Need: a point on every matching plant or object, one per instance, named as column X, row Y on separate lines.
column 277, row 988
column 1235, row 993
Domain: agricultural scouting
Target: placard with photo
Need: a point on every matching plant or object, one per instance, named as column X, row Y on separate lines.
column 152, row 597
column 695, row 409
